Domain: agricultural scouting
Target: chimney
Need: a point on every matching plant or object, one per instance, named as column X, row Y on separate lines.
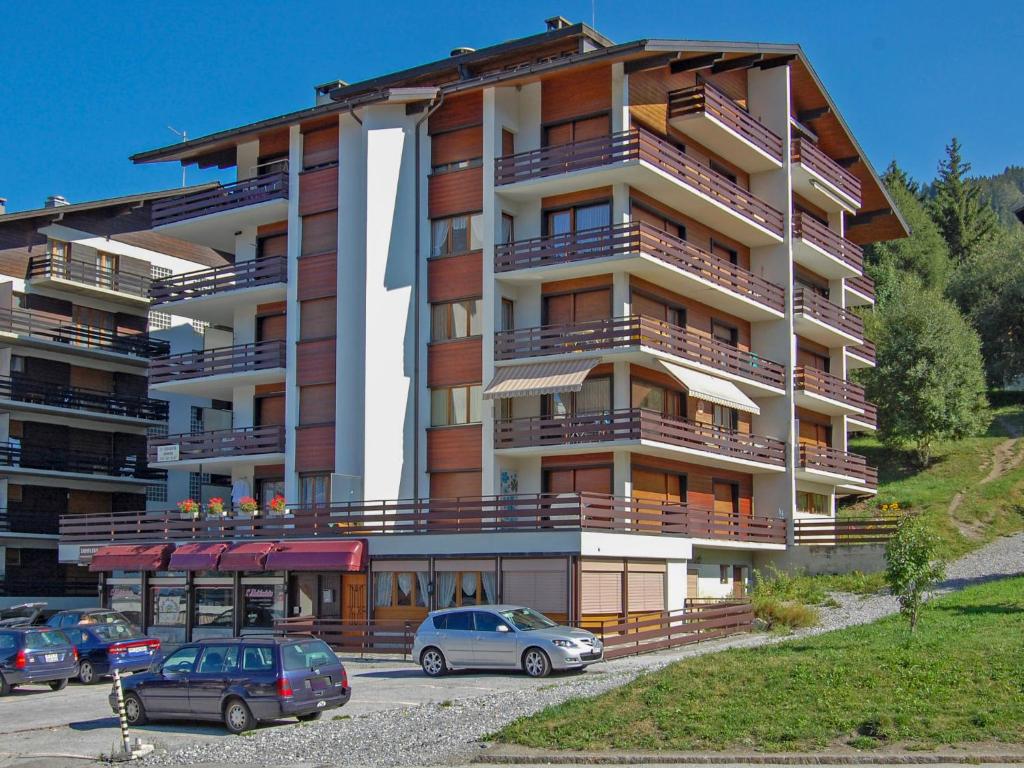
column 322, row 92
column 3, row 205
column 56, row 201
column 557, row 22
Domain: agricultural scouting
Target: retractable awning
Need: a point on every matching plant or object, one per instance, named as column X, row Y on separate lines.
column 343, row 555
column 250, row 556
column 539, row 378
column 131, row 557
column 197, row 556
column 710, row 388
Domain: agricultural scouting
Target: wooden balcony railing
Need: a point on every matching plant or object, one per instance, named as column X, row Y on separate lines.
column 825, row 459
column 863, row 285
column 233, row 277
column 223, row 442
column 52, row 266
column 810, row 304
column 271, row 186
column 866, row 350
column 636, row 424
column 809, row 155
column 632, row 331
column 705, row 99
column 633, row 145
column 67, row 459
column 863, row 529
column 574, row 511
column 25, row 390
column 625, row 240
column 870, row 415
column 25, row 323
column 824, row 384
column 811, row 230
column 240, row 358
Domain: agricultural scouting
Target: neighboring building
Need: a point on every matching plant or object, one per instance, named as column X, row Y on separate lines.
column 75, row 349
column 586, row 305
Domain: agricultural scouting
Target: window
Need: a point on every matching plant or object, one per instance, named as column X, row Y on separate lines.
column 725, row 418
column 656, row 219
column 167, row 613
column 580, row 129
column 487, row 622
column 723, row 574
column 594, row 397
column 199, row 326
column 504, row 408
column 307, row 654
column 721, row 170
column 812, row 503
column 218, row 658
column 455, row 405
column 724, row 252
column 58, row 250
column 462, row 620
column 156, row 493
column 17, row 364
column 400, row 589
column 508, row 315
column 578, row 218
column 455, row 319
column 315, row 490
column 267, row 490
column 457, row 165
column 456, row 234
column 651, row 397
column 508, row 229
column 159, row 272
column 726, row 334
column 461, row 589
column 157, row 430
column 213, row 612
column 257, row 658
column 159, row 321
column 262, row 604
column 508, row 142
column 195, row 421
column 196, row 481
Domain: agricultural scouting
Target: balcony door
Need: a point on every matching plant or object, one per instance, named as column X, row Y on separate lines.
column 578, row 480
column 579, row 307
column 580, row 129
column 652, row 488
column 594, row 399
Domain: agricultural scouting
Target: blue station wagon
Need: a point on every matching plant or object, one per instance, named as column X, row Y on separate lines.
column 102, row 648
column 29, row 656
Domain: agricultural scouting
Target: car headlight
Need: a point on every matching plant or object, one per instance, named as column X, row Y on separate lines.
column 564, row 643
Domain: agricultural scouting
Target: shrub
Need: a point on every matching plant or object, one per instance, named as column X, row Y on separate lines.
column 784, row 614
column 912, row 565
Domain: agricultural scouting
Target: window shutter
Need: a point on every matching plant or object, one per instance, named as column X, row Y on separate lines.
column 601, row 593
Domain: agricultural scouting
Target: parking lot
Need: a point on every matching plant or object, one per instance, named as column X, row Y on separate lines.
column 36, row 722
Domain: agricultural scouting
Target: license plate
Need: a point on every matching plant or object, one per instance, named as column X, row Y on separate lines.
column 319, row 683
column 51, row 658
column 138, row 649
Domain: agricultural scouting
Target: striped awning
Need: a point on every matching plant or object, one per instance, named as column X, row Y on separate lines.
column 701, row 386
column 539, row 378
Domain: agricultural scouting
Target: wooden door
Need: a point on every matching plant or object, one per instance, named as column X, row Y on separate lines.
column 353, row 598
column 692, row 582
column 738, row 585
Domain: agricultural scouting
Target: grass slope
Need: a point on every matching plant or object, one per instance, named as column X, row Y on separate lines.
column 961, row 679
column 986, row 510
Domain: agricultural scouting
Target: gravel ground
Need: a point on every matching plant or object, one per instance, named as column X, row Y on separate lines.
column 435, row 734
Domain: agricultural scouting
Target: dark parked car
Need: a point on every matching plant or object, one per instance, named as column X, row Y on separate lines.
column 24, row 615
column 63, row 619
column 241, row 682
column 102, row 648
column 35, row 655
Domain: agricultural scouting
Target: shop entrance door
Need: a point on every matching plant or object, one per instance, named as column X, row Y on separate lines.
column 317, row 594
column 353, row 598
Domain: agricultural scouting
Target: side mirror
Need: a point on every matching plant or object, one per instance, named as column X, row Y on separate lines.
column 504, row 628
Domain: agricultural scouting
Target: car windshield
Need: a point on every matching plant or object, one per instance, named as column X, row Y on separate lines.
column 525, row 619
column 114, row 632
column 19, row 612
column 308, row 654
column 37, row 641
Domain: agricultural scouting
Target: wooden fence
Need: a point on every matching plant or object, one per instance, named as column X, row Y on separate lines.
column 845, row 530
column 354, row 637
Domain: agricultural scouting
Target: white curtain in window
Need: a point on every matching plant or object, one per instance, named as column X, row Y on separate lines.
column 423, row 582
column 469, row 588
column 405, row 588
column 460, row 234
column 445, row 589
column 382, row 582
column 592, row 216
column 595, row 397
column 476, row 394
column 460, row 320
column 476, row 229
column 490, row 587
column 439, row 237
column 460, row 405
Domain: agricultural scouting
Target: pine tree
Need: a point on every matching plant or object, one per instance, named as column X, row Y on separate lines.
column 966, row 223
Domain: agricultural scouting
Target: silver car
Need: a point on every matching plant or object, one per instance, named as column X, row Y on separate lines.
column 501, row 637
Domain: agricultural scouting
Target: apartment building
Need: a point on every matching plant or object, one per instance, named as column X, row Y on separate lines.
column 76, row 342
column 558, row 321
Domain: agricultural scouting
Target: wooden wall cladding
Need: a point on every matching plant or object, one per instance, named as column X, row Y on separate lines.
column 455, row 277
column 318, row 276
column 320, row 147
column 318, row 191
column 274, row 143
column 454, row 448
column 463, row 144
column 316, row 404
column 455, row 362
column 274, row 228
column 699, row 481
column 320, row 233
column 451, row 485
column 458, row 112
column 456, row 192
column 315, row 362
column 269, row 472
column 314, row 448
column 576, row 93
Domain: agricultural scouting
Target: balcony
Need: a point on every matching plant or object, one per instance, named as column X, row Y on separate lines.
column 16, row 458
column 847, row 471
column 652, row 432
column 818, row 319
column 706, row 114
column 211, row 217
column 824, row 393
column 651, row 165
column 861, row 355
column 637, row 337
column 646, row 252
column 822, row 180
column 860, row 290
column 223, row 447
column 823, row 250
column 49, row 332
column 216, row 372
column 81, row 277
column 485, row 515
column 214, row 294
column 21, row 393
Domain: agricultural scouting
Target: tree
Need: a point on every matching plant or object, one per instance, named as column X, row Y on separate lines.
column 966, row 223
column 924, row 253
column 912, row 566
column 929, row 383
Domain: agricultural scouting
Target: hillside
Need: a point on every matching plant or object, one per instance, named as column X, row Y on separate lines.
column 1004, row 192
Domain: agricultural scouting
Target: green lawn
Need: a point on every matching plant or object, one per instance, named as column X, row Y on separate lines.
column 961, row 679
column 986, row 511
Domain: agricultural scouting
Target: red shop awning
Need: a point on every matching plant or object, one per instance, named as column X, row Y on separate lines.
column 197, row 557
column 135, row 557
column 250, row 556
column 317, row 556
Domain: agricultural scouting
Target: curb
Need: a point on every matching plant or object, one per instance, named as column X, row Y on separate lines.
column 718, row 758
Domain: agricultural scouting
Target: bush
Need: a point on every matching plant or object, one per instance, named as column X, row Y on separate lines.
column 784, row 614
column 913, row 565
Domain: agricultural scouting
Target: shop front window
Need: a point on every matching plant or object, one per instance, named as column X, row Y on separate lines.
column 262, row 604
column 127, row 599
column 213, row 613
column 167, row 613
column 400, row 589
column 465, row 588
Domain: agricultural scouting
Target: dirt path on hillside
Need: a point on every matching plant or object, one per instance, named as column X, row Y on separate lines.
column 1005, row 457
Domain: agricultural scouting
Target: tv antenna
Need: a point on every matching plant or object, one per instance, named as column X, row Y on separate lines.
column 184, row 138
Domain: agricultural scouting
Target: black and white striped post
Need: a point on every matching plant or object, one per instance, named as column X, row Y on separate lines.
column 119, row 693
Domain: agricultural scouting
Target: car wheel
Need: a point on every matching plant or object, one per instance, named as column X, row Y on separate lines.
column 134, row 712
column 87, row 673
column 5, row 687
column 433, row 663
column 59, row 685
column 238, row 717
column 309, row 718
column 536, row 663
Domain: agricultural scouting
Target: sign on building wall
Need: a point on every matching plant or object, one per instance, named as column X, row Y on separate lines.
column 167, row 452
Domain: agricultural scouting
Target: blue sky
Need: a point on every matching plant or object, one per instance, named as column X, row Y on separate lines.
column 84, row 85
